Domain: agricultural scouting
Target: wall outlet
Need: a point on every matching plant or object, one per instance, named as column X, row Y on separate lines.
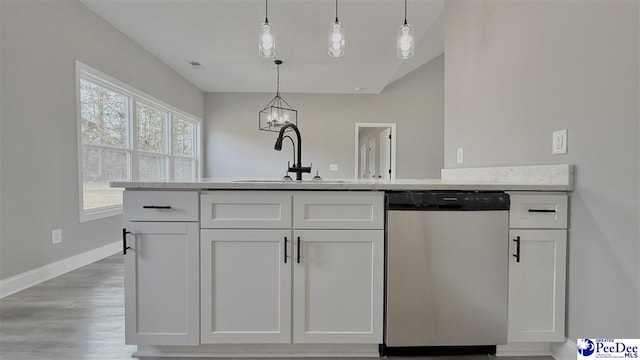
column 333, row 167
column 460, row 156
column 56, row 236
column 559, row 142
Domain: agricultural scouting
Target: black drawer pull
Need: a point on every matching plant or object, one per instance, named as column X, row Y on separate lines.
column 124, row 241
column 285, row 249
column 298, row 249
column 542, row 210
column 517, row 254
column 156, row 207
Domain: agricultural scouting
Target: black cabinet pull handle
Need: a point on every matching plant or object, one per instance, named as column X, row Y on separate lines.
column 285, row 249
column 298, row 249
column 156, row 207
column 542, row 210
column 517, row 254
column 124, row 241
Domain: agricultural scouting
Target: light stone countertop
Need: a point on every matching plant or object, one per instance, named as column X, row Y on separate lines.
column 347, row 184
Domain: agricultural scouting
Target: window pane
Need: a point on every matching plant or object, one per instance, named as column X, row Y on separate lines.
column 103, row 115
column 151, row 124
column 99, row 167
column 183, row 137
column 185, row 169
column 152, row 168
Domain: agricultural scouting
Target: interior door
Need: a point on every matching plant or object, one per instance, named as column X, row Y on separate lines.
column 385, row 154
column 363, row 161
column 373, row 158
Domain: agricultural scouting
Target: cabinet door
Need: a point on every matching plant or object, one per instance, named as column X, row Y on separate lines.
column 537, row 285
column 338, row 286
column 246, row 286
column 162, row 283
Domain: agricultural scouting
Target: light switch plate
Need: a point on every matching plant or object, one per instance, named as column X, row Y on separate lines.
column 460, row 156
column 333, row 167
column 56, row 236
column 559, row 142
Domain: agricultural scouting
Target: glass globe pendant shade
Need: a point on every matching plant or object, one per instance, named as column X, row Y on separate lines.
column 405, row 44
column 266, row 43
column 336, row 39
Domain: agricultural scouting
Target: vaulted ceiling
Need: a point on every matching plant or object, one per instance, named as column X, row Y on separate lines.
column 222, row 35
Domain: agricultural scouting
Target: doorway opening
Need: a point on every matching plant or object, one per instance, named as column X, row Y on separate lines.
column 375, row 151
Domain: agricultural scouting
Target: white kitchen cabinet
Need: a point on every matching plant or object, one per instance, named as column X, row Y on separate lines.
column 161, row 283
column 338, row 286
column 246, row 286
column 537, row 285
column 334, row 274
column 537, row 270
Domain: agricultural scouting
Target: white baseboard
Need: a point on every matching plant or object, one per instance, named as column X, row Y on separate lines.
column 33, row 277
column 558, row 350
column 567, row 350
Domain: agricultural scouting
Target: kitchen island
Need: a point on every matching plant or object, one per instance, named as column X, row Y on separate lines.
column 276, row 268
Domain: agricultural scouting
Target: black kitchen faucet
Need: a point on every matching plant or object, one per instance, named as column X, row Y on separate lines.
column 297, row 168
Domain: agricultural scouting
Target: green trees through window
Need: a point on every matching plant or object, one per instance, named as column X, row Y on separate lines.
column 126, row 135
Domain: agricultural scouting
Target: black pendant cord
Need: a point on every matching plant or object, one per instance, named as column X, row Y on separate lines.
column 405, row 12
column 278, row 81
column 336, row 11
column 266, row 11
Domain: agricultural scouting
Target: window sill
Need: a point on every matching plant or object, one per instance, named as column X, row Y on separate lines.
column 100, row 213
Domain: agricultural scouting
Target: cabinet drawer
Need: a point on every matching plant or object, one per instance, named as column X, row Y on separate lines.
column 245, row 210
column 542, row 211
column 338, row 210
column 160, row 206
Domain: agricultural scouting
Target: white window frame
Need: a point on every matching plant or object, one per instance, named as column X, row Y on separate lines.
column 86, row 72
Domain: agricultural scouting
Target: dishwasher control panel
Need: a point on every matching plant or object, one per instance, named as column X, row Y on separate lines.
column 447, row 200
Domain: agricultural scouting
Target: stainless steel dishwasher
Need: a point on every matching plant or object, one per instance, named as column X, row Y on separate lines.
column 447, row 269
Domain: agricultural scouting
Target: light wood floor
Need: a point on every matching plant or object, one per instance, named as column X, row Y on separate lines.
column 80, row 315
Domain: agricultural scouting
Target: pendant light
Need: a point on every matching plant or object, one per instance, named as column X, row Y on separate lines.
column 277, row 112
column 266, row 44
column 405, row 45
column 336, row 37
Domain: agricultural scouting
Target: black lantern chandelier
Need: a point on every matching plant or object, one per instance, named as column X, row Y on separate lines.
column 277, row 112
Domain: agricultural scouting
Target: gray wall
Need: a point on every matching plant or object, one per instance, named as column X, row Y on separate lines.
column 40, row 42
column 515, row 72
column 235, row 148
